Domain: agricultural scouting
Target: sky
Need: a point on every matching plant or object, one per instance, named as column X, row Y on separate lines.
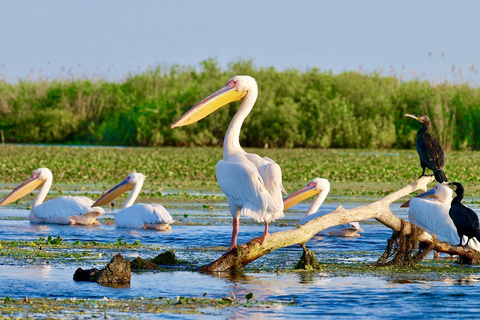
column 428, row 39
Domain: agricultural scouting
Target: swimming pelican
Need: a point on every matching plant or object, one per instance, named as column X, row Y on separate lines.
column 429, row 149
column 322, row 188
column 253, row 185
column 433, row 214
column 139, row 215
column 465, row 219
column 61, row 210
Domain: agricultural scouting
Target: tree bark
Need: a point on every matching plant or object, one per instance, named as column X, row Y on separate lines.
column 379, row 210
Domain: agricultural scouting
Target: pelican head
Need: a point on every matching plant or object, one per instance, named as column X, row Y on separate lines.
column 37, row 178
column 235, row 89
column 313, row 188
column 119, row 189
column 442, row 192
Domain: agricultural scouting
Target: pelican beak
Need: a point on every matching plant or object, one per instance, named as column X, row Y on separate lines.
column 308, row 191
column 113, row 193
column 216, row 100
column 429, row 194
column 25, row 188
column 412, row 116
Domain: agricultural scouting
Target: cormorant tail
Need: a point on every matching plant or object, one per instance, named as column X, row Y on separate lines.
column 440, row 176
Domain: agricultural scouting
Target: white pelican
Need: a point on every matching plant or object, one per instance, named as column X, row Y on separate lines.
column 253, row 185
column 139, row 215
column 433, row 214
column 61, row 210
column 322, row 188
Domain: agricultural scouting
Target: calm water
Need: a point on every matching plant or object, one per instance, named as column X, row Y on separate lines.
column 317, row 294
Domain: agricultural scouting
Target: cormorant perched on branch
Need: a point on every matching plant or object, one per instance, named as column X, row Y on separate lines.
column 464, row 218
column 429, row 149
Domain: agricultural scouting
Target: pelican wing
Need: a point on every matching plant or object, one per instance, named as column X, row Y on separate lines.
column 65, row 207
column 433, row 216
column 139, row 214
column 244, row 187
column 270, row 171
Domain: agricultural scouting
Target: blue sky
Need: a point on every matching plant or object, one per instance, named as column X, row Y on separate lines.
column 114, row 37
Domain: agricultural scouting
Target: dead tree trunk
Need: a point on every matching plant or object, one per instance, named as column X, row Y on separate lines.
column 379, row 210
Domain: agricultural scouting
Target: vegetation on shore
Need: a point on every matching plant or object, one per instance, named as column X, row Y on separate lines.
column 294, row 109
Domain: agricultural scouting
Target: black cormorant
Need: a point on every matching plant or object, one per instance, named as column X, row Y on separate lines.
column 429, row 149
column 464, row 218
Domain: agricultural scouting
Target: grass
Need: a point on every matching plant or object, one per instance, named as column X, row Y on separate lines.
column 352, row 173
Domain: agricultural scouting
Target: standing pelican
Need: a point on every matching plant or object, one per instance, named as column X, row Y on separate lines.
column 139, row 215
column 253, row 185
column 433, row 214
column 322, row 188
column 464, row 218
column 429, row 149
column 61, row 210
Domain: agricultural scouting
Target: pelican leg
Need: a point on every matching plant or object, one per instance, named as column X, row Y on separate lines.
column 264, row 236
column 233, row 242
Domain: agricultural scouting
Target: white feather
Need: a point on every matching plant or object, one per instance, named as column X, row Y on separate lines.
column 246, row 190
column 140, row 214
column 63, row 209
column 433, row 216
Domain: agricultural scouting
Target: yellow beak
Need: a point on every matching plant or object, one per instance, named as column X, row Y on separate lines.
column 298, row 196
column 216, row 100
column 429, row 194
column 25, row 188
column 411, row 116
column 113, row 193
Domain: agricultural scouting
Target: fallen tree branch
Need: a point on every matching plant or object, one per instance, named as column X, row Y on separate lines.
column 379, row 210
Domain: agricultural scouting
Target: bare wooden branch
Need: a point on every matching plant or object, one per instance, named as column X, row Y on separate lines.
column 379, row 210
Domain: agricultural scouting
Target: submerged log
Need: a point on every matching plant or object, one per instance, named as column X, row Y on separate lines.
column 379, row 210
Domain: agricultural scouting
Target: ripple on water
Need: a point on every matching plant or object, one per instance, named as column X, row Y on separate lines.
column 316, row 294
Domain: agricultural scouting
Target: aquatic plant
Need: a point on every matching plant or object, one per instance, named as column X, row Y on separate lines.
column 351, row 172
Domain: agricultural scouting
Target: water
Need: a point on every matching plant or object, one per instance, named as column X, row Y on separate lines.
column 316, row 294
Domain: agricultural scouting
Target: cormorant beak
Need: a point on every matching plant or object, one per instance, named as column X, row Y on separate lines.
column 25, row 188
column 308, row 191
column 114, row 193
column 216, row 100
column 412, row 116
column 429, row 194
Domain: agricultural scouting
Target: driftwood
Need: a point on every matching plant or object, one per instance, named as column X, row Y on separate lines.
column 379, row 210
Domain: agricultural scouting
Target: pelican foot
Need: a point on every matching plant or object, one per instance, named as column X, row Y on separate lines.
column 96, row 223
column 244, row 246
column 262, row 238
